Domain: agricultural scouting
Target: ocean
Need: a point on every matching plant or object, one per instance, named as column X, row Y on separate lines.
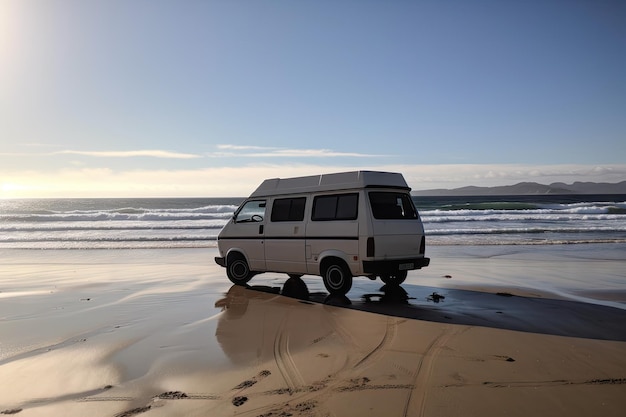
column 196, row 222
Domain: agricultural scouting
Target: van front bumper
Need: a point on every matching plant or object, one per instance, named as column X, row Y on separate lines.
column 393, row 266
column 220, row 261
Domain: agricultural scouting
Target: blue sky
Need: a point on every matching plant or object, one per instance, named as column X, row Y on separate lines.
column 154, row 98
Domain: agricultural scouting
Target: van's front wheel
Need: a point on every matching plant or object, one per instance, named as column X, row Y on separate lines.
column 396, row 278
column 337, row 278
column 237, row 270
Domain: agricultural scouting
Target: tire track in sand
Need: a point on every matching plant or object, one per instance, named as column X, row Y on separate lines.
column 342, row 380
column 391, row 328
column 284, row 360
column 419, row 394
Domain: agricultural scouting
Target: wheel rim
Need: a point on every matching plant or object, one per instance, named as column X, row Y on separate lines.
column 239, row 269
column 335, row 277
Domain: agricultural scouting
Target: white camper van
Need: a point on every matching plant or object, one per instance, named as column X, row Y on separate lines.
column 360, row 223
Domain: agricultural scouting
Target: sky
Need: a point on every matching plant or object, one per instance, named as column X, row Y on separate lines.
column 192, row 98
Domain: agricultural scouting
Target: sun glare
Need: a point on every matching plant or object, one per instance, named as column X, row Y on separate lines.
column 10, row 190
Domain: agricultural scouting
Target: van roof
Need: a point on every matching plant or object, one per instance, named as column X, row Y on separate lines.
column 331, row 182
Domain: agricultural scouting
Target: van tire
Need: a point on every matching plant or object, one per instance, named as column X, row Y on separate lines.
column 237, row 269
column 396, row 278
column 337, row 277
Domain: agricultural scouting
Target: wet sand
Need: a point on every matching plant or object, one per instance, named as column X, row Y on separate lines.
column 482, row 331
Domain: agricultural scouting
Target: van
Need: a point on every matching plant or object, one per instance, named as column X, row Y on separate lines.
column 338, row 226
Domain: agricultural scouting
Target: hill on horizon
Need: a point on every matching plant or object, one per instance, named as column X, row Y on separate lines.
column 531, row 188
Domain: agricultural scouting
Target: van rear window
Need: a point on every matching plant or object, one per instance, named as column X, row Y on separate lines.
column 392, row 205
column 335, row 207
column 288, row 209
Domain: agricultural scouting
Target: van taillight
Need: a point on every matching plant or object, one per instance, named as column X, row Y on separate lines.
column 370, row 247
column 423, row 245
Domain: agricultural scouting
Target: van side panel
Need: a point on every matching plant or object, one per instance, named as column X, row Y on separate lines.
column 284, row 248
column 333, row 229
column 284, row 244
column 246, row 238
column 338, row 238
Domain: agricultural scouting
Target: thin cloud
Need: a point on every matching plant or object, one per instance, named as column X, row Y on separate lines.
column 311, row 153
column 270, row 152
column 244, row 147
column 152, row 153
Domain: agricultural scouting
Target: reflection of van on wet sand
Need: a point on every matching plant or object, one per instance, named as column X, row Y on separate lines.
column 360, row 223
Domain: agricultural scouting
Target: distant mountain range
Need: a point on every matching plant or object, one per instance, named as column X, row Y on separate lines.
column 531, row 188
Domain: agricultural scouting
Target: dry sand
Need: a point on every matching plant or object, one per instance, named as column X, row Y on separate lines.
column 163, row 333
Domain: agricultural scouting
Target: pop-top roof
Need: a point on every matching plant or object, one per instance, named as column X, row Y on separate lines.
column 330, row 182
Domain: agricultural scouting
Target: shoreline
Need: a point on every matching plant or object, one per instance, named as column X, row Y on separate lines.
column 588, row 273
column 163, row 332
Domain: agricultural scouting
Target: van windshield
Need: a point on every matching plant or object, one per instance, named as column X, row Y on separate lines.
column 251, row 211
column 392, row 205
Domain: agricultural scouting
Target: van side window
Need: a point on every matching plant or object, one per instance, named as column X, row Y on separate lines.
column 391, row 205
column 288, row 209
column 251, row 211
column 335, row 207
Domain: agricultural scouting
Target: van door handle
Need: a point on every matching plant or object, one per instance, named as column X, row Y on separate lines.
column 260, row 229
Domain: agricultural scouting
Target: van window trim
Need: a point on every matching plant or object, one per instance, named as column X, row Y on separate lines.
column 292, row 198
column 314, row 203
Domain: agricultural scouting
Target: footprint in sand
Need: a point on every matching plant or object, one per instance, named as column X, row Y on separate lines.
column 134, row 411
column 250, row 382
column 173, row 395
column 505, row 358
column 240, row 400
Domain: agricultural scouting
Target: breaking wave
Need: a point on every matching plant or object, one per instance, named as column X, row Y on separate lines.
column 149, row 223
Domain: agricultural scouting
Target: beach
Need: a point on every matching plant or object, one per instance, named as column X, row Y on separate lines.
column 162, row 332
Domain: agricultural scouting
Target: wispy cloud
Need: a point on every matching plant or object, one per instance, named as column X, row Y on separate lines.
column 152, row 153
column 244, row 147
column 231, row 151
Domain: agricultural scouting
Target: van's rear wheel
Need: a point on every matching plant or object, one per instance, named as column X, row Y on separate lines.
column 337, row 278
column 396, row 278
column 237, row 269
